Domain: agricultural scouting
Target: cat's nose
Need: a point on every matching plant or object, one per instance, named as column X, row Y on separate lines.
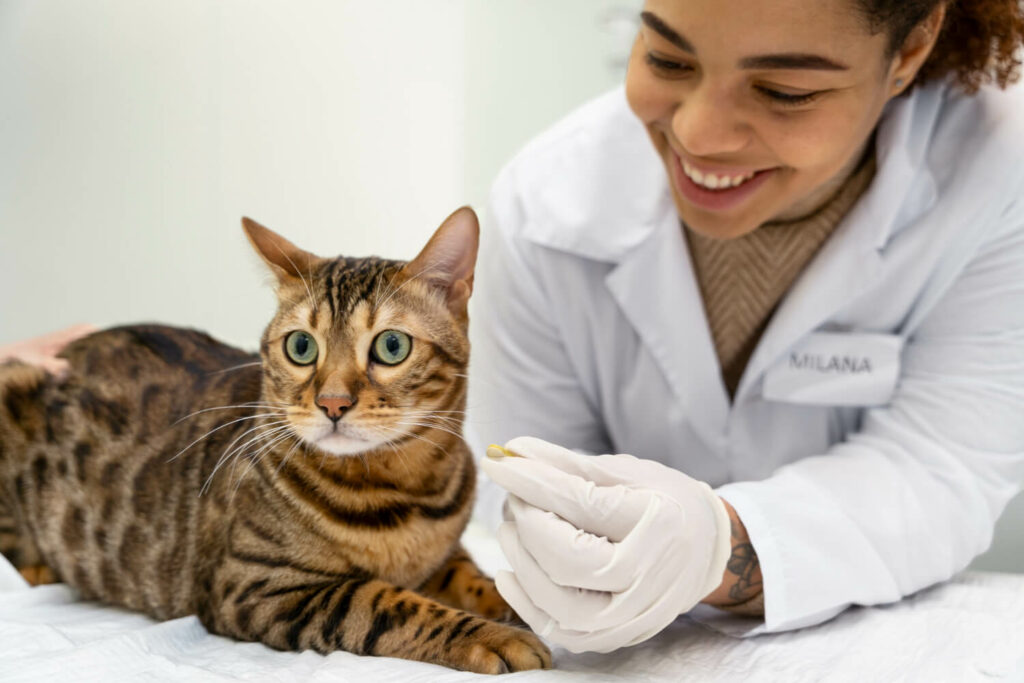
column 335, row 406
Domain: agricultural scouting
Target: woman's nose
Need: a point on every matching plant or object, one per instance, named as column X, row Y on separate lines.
column 708, row 124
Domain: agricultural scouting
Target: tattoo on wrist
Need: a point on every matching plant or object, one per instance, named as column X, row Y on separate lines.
column 747, row 591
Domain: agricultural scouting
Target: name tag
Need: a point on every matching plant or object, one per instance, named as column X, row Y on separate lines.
column 834, row 368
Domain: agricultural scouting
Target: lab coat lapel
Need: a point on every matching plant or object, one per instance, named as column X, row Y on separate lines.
column 655, row 287
column 846, row 265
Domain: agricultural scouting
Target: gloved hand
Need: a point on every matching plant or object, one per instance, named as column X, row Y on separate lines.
column 606, row 550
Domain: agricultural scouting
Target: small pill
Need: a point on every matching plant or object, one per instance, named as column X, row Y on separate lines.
column 495, row 451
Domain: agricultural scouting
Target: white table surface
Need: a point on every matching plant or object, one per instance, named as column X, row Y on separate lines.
column 969, row 629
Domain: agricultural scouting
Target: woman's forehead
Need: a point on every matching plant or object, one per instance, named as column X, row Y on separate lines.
column 739, row 29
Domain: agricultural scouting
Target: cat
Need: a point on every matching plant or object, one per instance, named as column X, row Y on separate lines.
column 308, row 497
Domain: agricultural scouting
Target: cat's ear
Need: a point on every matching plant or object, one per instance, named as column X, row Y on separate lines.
column 288, row 263
column 448, row 260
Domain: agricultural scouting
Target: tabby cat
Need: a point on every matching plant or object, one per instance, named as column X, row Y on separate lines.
column 310, row 497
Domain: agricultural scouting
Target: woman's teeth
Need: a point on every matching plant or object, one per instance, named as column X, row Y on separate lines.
column 714, row 182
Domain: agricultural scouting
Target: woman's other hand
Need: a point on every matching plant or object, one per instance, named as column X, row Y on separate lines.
column 42, row 351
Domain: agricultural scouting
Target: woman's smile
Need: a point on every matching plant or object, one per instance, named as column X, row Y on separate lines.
column 716, row 189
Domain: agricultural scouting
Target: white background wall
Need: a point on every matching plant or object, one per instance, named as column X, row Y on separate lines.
column 135, row 133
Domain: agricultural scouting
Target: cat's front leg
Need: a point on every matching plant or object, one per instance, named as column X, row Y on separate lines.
column 459, row 583
column 292, row 610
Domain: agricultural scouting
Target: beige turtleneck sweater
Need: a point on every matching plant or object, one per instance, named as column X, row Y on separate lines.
column 743, row 279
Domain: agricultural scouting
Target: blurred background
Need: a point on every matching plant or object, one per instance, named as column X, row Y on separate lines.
column 134, row 134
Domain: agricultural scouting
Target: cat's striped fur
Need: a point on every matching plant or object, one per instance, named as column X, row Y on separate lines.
column 299, row 540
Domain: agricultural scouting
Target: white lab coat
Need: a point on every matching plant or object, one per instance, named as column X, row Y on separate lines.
column 589, row 331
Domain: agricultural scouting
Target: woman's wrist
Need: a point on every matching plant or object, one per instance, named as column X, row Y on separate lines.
column 741, row 590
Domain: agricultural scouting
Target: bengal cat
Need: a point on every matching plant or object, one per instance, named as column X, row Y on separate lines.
column 310, row 497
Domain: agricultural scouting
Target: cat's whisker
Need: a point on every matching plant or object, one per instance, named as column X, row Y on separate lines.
column 298, row 442
column 399, row 288
column 254, row 458
column 397, row 452
column 376, row 290
column 415, row 436
column 453, row 429
column 448, row 420
column 258, row 456
column 217, row 429
column 273, row 423
column 439, row 413
column 309, row 268
column 387, row 291
column 237, row 367
column 454, row 420
column 240, row 406
column 228, row 451
column 268, row 432
column 266, row 437
column 280, row 465
column 430, row 425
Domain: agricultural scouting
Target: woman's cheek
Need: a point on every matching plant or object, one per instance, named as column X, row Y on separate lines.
column 813, row 142
column 648, row 97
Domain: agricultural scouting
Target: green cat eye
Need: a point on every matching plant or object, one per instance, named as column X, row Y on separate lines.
column 300, row 347
column 391, row 347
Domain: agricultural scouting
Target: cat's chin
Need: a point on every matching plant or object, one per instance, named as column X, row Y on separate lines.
column 338, row 444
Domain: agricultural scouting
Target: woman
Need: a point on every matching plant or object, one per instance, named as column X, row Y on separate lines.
column 808, row 294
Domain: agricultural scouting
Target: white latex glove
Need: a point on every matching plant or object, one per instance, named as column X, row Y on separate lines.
column 607, row 550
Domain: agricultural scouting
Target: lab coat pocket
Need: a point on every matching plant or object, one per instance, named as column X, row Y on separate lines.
column 837, row 369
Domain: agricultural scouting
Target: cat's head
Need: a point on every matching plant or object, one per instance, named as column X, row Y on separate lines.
column 365, row 352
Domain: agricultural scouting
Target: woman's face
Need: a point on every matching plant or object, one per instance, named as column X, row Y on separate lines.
column 768, row 103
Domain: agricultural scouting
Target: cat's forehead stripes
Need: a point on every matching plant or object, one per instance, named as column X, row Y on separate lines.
column 347, row 281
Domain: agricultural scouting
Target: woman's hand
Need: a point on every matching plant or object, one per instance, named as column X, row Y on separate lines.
column 606, row 550
column 42, row 351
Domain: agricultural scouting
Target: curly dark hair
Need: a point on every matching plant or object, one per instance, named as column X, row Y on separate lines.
column 979, row 42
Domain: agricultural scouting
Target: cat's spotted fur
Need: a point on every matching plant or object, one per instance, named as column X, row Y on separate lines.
column 311, row 533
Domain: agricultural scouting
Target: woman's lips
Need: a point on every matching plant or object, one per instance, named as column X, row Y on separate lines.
column 719, row 199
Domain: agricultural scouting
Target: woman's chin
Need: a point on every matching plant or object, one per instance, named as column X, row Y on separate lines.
column 715, row 227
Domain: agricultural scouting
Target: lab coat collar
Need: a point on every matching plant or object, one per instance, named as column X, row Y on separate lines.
column 579, row 202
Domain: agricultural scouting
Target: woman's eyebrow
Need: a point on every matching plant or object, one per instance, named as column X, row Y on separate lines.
column 655, row 23
column 793, row 60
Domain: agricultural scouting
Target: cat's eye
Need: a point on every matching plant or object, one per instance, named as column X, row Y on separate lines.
column 391, row 347
column 300, row 347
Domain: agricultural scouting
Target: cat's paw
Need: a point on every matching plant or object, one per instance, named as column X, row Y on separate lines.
column 493, row 648
column 482, row 598
column 38, row 575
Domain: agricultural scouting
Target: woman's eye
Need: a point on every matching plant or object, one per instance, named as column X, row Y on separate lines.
column 300, row 347
column 788, row 99
column 391, row 347
column 667, row 67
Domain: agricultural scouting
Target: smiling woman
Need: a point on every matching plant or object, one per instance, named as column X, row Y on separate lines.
column 765, row 112
column 828, row 178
